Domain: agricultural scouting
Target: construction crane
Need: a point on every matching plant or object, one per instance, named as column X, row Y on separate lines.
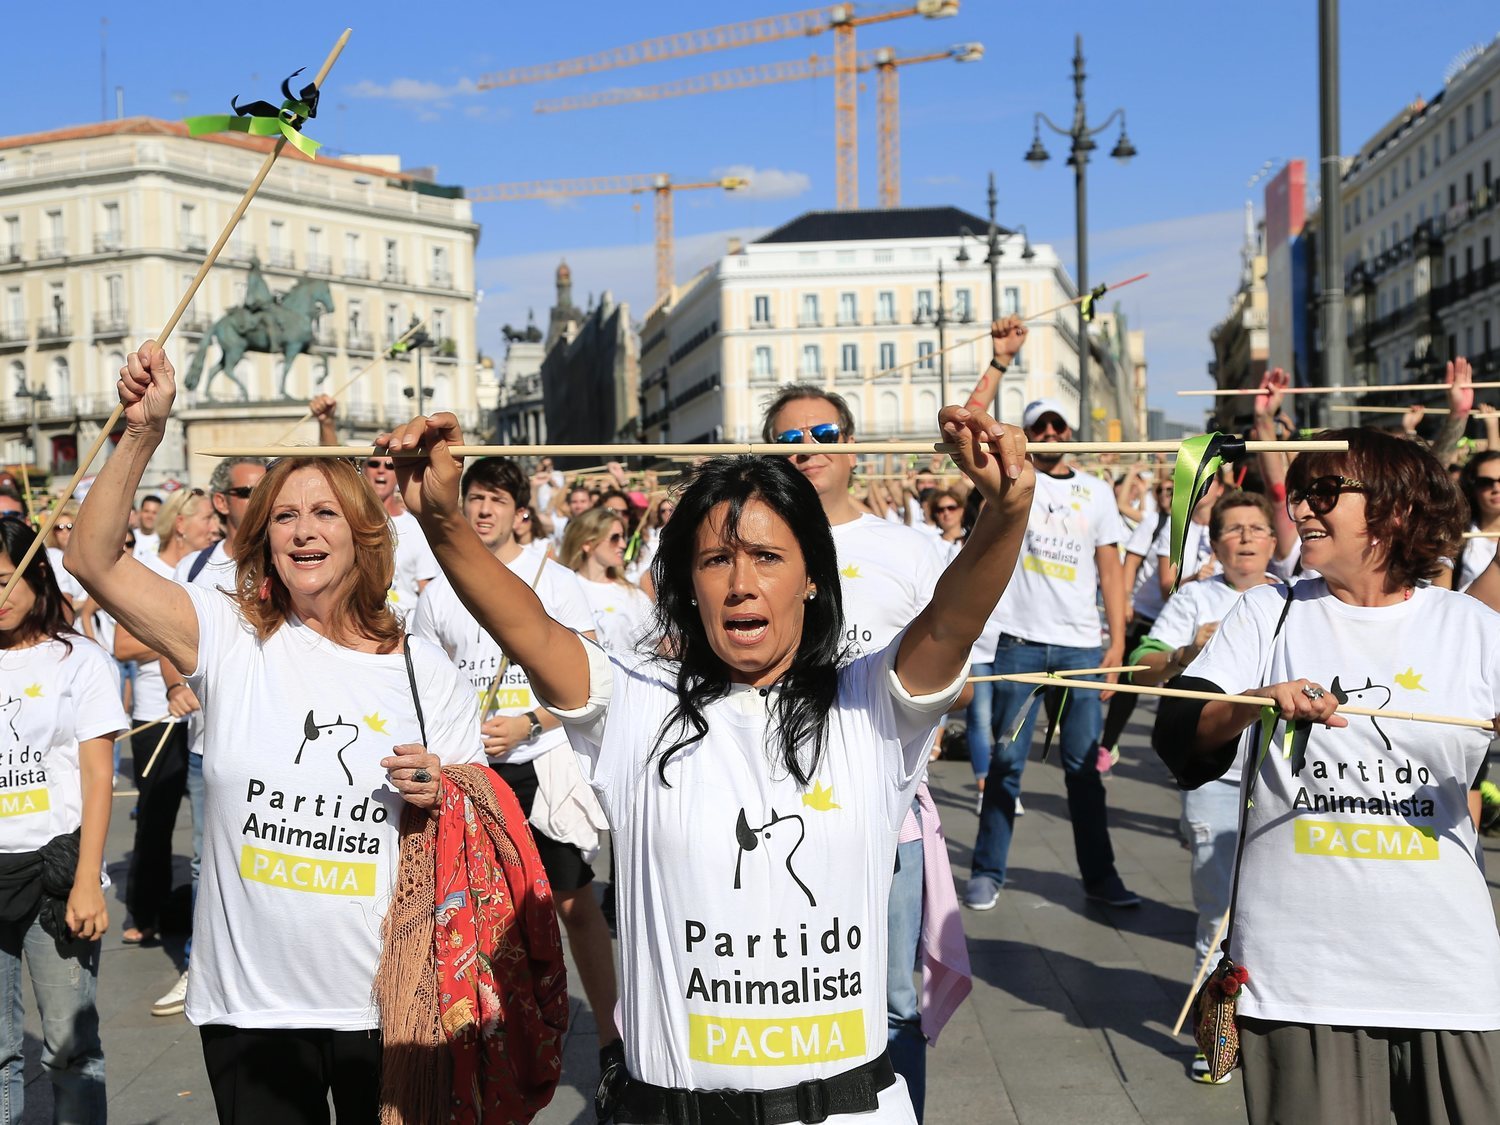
column 888, row 110
column 884, row 62
column 660, row 186
column 838, row 18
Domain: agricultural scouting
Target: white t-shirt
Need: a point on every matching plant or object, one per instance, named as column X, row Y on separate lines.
column 1052, row 596
column 146, row 543
column 1362, row 899
column 1474, row 556
column 415, row 564
column 50, row 701
column 1146, row 597
column 301, row 827
column 441, row 618
column 148, row 702
column 752, row 911
column 622, row 615
column 71, row 588
column 1197, row 549
column 1192, row 607
column 886, row 573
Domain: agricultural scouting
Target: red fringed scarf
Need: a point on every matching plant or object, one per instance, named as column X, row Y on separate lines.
column 502, row 988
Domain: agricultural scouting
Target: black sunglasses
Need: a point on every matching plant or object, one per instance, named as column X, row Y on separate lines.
column 374, row 464
column 947, row 508
column 824, row 434
column 1483, row 483
column 1322, row 494
column 240, row 492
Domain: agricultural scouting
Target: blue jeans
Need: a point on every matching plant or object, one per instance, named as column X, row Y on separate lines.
column 1211, row 815
column 980, row 721
column 64, row 978
column 908, row 1046
column 195, row 799
column 1079, row 738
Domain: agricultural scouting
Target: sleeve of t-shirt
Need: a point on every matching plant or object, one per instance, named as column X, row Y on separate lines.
column 447, row 707
column 95, row 692
column 1140, row 539
column 1109, row 529
column 424, row 620
column 585, row 725
column 915, row 717
column 1235, row 655
column 1177, row 624
column 219, row 625
column 424, row 564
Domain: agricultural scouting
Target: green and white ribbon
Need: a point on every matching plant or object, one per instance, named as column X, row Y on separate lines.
column 1198, row 459
column 1291, row 733
column 1091, row 299
column 1054, row 721
column 262, row 119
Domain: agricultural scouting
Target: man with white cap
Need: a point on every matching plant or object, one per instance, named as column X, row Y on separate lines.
column 1049, row 621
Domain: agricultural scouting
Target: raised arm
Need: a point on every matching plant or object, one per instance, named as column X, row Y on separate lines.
column 504, row 605
column 153, row 608
column 935, row 646
column 324, row 409
column 1460, row 379
column 1273, row 465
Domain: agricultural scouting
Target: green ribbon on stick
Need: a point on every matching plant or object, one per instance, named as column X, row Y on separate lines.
column 1053, row 720
column 1090, row 299
column 1198, row 460
column 262, row 119
column 1292, row 733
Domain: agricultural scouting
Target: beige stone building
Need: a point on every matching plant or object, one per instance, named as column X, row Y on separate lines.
column 840, row 299
column 1241, row 340
column 102, row 227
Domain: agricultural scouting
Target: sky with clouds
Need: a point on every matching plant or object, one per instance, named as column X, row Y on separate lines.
column 1213, row 93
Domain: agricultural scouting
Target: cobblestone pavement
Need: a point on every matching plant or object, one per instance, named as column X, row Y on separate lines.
column 1070, row 1018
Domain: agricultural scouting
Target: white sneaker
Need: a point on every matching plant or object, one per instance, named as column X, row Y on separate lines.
column 174, row 1001
column 1020, row 809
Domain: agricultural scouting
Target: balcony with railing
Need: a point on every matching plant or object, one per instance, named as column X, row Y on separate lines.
column 885, row 320
column 108, row 242
column 849, row 375
column 441, row 279
column 768, row 322
column 356, row 267
column 53, row 330
column 191, row 242
column 360, row 343
column 282, row 260
column 847, row 320
column 319, row 263
column 14, row 334
column 325, row 340
column 11, row 255
column 762, row 376
column 393, row 273
column 52, row 248
column 809, row 374
column 113, row 323
column 194, row 324
column 809, row 320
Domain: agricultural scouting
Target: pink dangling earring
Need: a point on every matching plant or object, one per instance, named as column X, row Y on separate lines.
column 264, row 594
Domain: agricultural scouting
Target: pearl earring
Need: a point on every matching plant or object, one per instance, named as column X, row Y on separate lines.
column 693, row 600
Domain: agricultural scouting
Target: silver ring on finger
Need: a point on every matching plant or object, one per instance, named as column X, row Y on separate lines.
column 421, row 777
column 1313, row 692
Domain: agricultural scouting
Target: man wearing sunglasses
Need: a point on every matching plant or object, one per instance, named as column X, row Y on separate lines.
column 1048, row 620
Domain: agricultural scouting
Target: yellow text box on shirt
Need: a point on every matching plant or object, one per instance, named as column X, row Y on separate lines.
column 1342, row 840
column 304, row 873
column 24, row 803
column 507, row 698
column 787, row 1041
column 1049, row 569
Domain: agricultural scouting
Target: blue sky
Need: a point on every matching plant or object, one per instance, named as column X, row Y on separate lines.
column 1213, row 92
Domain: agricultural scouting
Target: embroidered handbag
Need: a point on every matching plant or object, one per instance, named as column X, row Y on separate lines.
column 1217, row 1035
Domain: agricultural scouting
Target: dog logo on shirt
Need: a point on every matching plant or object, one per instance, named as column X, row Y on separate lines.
column 775, row 843
column 10, row 708
column 314, row 731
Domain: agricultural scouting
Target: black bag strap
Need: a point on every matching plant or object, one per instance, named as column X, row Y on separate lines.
column 411, row 679
column 200, row 560
column 1239, row 843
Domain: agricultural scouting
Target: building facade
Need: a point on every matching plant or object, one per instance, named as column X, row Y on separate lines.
column 590, row 376
column 103, row 227
column 1422, row 232
column 851, row 301
column 1241, row 341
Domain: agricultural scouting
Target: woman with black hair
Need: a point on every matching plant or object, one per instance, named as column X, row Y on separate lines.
column 1479, row 481
column 755, row 786
column 59, row 715
column 1359, row 906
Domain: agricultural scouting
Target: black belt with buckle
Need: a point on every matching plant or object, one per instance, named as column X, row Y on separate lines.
column 854, row 1091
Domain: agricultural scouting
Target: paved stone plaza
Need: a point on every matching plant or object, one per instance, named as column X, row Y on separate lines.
column 1069, row 1021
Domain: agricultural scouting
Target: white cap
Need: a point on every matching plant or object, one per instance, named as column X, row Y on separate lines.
column 1035, row 410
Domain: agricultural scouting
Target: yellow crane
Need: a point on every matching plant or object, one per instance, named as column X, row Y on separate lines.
column 841, row 19
column 661, row 186
column 884, row 62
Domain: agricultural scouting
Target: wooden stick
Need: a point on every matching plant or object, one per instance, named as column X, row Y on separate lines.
column 930, row 356
column 165, row 734
column 1253, row 700
column 161, row 338
column 1340, row 390
column 1202, row 973
column 772, row 449
column 1482, row 535
column 1387, row 409
column 349, row 382
column 143, row 726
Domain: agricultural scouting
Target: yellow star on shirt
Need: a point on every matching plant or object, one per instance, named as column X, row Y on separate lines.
column 850, row 571
column 1410, row 680
column 375, row 722
column 820, row 798
column 392, row 597
column 35, row 691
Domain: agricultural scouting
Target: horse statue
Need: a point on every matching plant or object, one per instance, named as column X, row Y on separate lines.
column 264, row 323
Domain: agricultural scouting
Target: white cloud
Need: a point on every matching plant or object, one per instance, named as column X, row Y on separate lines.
column 1194, row 264
column 516, row 283
column 412, row 90
column 768, row 183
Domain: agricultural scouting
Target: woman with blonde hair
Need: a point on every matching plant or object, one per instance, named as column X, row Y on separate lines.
column 594, row 546
column 322, row 721
column 56, row 543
